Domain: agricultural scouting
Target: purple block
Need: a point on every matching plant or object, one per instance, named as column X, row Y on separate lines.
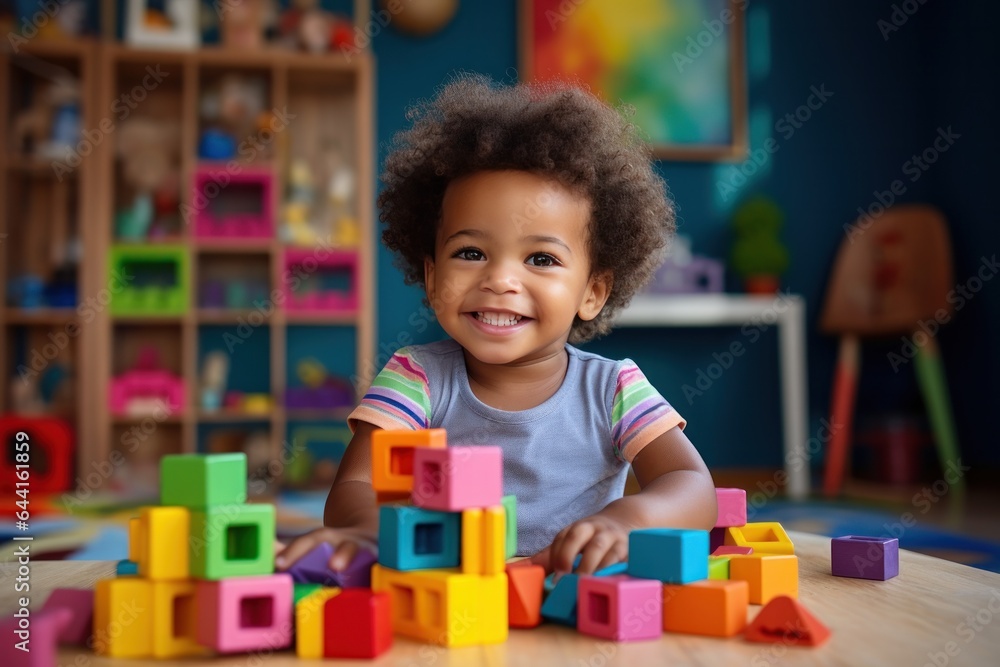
column 80, row 603
column 43, row 633
column 313, row 568
column 862, row 557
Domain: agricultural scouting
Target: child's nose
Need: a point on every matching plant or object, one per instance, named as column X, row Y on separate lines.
column 501, row 277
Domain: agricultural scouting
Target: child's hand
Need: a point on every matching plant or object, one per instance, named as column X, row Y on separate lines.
column 346, row 543
column 602, row 540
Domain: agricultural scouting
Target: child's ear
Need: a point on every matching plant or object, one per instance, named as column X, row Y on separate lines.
column 598, row 291
column 429, row 279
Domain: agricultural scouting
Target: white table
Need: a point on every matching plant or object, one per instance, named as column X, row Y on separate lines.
column 787, row 312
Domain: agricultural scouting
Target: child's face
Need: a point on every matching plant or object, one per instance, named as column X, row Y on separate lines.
column 511, row 267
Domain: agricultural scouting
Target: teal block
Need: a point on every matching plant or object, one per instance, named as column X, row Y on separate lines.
column 201, row 481
column 510, row 509
column 232, row 541
column 413, row 538
column 670, row 555
column 127, row 568
column 560, row 605
column 610, row 570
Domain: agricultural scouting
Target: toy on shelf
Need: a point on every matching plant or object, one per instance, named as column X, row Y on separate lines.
column 236, row 206
column 177, row 27
column 316, row 290
column 50, row 127
column 307, row 27
column 214, row 373
column 320, row 390
column 684, row 273
column 147, row 389
column 154, row 280
column 243, row 23
column 150, row 164
column 51, row 446
column 233, row 111
column 758, row 254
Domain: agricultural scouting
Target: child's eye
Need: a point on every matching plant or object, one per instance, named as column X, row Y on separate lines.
column 470, row 254
column 542, row 259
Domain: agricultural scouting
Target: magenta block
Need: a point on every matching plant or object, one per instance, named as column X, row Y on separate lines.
column 620, row 607
column 305, row 267
column 245, row 613
column 234, row 206
column 42, row 631
column 732, row 551
column 457, row 478
column 716, row 539
column 146, row 385
column 865, row 557
column 732, row 508
column 313, row 568
column 80, row 603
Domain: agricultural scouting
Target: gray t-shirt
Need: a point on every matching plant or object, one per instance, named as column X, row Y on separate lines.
column 564, row 459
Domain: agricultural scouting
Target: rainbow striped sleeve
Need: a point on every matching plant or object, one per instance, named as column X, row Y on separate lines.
column 399, row 397
column 638, row 413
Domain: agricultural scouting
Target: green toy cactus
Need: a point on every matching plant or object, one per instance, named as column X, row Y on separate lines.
column 758, row 254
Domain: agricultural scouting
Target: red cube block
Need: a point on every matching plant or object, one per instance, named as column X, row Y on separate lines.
column 357, row 624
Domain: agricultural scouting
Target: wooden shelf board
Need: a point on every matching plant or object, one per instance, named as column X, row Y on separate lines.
column 224, row 315
column 234, row 416
column 37, row 166
column 137, row 419
column 314, row 414
column 39, row 316
column 148, row 319
column 62, row 47
column 236, row 246
column 320, row 319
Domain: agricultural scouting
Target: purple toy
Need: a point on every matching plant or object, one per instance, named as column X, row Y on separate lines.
column 865, row 557
column 699, row 275
column 313, row 568
column 42, row 638
column 81, row 604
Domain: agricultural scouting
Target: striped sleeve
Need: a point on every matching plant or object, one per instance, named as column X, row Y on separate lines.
column 399, row 397
column 638, row 414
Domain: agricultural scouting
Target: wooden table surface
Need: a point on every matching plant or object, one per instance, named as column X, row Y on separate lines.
column 935, row 611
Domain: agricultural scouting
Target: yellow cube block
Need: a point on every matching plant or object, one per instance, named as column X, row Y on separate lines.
column 309, row 623
column 484, row 540
column 123, row 618
column 134, row 538
column 162, row 534
column 768, row 575
column 767, row 537
column 445, row 607
column 175, row 620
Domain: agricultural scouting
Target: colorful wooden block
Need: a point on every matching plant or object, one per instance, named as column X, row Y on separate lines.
column 715, row 608
column 524, row 594
column 164, row 287
column 232, row 541
column 80, row 604
column 767, row 537
column 786, row 621
column 445, row 607
column 175, row 620
column 134, row 539
column 51, row 445
column 412, row 538
column 865, row 557
column 732, row 507
column 732, row 551
column 34, row 641
column 716, row 538
column 123, row 617
column 768, row 575
column 300, row 591
column 200, row 481
column 392, row 457
column 457, row 478
column 357, row 624
column 245, row 613
column 671, row 555
column 127, row 568
column 484, row 540
column 159, row 532
column 560, row 606
column 310, row 623
column 718, row 567
column 510, row 508
column 620, row 607
column 314, row 567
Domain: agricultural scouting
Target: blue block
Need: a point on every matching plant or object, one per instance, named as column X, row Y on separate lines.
column 560, row 605
column 127, row 568
column 671, row 555
column 412, row 538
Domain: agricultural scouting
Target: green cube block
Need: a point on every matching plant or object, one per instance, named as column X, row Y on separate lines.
column 200, row 481
column 302, row 590
column 232, row 541
column 149, row 280
column 718, row 567
column 510, row 509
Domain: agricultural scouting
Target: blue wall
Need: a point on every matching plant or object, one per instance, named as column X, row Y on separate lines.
column 889, row 98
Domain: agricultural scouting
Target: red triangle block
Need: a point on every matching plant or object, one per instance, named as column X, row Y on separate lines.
column 524, row 595
column 784, row 620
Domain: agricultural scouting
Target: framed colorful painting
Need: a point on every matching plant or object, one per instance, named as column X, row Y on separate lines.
column 678, row 63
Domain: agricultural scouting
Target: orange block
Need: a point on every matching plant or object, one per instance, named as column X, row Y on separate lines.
column 785, row 620
column 392, row 457
column 768, row 575
column 710, row 607
column 524, row 594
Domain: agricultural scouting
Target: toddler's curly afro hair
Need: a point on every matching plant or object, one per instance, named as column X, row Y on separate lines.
column 551, row 130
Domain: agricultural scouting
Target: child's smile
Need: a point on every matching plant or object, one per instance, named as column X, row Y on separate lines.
column 512, row 266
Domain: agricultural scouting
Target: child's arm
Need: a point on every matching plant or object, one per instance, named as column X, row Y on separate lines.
column 351, row 516
column 677, row 491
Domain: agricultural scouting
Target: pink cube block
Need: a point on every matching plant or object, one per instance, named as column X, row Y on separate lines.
column 245, row 613
column 39, row 633
column 457, row 478
column 620, row 608
column 732, row 508
column 305, row 266
column 234, row 206
column 80, row 604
